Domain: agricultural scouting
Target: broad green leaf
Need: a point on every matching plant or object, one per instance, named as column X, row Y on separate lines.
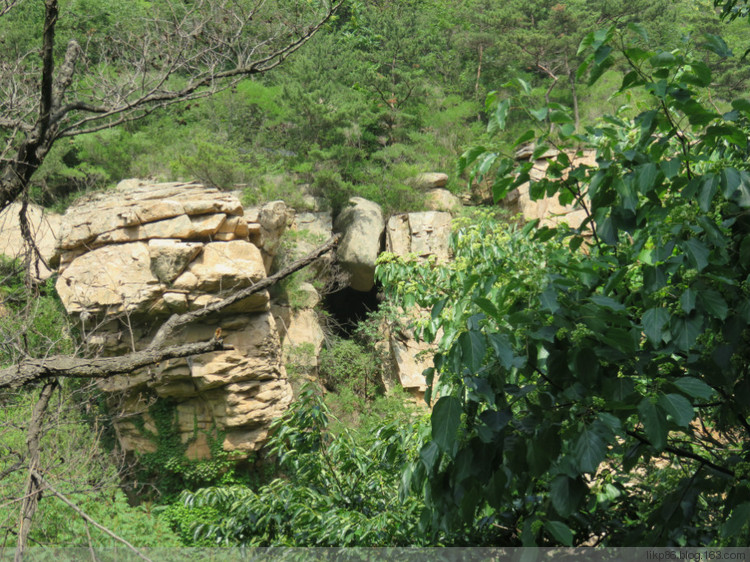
column 646, row 175
column 445, row 419
column 639, row 29
column 701, row 72
column 503, row 349
column 549, row 299
column 497, row 119
column 736, row 521
column 559, row 116
column 429, row 454
column 654, row 320
column 654, row 421
column 697, row 253
column 539, row 114
column 664, row 59
column 589, row 450
column 473, row 348
column 468, row 157
column 716, row 44
column 694, row 387
column 687, row 300
column 560, row 532
column 685, row 331
column 679, row 407
column 566, row 494
column 714, row 303
column 487, row 306
column 607, row 302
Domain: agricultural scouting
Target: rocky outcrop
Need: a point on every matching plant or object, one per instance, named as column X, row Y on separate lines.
column 44, row 228
column 267, row 224
column 361, row 224
column 131, row 257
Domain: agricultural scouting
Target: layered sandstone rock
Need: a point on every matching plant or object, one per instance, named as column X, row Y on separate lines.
column 129, row 259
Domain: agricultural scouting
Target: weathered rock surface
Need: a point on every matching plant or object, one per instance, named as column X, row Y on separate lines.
column 361, row 224
column 44, row 229
column 442, row 200
column 430, row 180
column 132, row 257
column 302, row 337
column 424, row 234
column 266, row 225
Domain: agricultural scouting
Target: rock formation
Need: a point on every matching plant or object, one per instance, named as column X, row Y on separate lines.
column 361, row 224
column 131, row 257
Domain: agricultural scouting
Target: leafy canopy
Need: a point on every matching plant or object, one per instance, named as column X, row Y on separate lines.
column 592, row 383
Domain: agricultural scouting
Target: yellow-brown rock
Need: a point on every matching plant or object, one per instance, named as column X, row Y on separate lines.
column 132, row 257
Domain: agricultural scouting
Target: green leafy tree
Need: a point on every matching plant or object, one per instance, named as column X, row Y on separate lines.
column 335, row 491
column 600, row 396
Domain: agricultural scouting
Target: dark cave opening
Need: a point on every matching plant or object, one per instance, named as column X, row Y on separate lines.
column 347, row 307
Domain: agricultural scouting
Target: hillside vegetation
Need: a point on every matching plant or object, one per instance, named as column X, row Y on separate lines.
column 591, row 386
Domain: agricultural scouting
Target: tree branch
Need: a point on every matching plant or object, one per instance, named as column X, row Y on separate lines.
column 33, row 484
column 30, row 370
column 686, row 454
column 86, row 517
column 168, row 328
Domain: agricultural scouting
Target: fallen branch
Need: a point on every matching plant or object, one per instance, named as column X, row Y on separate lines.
column 30, row 370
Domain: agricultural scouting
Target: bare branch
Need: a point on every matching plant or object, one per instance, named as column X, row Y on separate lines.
column 33, row 485
column 176, row 321
column 86, row 517
column 179, row 53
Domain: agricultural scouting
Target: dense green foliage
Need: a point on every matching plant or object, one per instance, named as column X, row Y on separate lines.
column 384, row 92
column 591, row 385
column 601, row 396
column 334, row 490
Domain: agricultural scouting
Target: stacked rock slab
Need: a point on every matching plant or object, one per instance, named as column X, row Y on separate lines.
column 425, row 236
column 131, row 257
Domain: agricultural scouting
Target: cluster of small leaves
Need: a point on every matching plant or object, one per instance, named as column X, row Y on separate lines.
column 168, row 468
column 335, row 491
column 601, row 397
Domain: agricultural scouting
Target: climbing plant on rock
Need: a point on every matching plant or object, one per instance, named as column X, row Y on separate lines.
column 591, row 384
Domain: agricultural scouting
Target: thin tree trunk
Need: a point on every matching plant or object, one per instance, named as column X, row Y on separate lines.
column 573, row 92
column 479, row 75
column 33, row 488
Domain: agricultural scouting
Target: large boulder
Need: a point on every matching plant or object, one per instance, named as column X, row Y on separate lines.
column 362, row 225
column 442, row 200
column 132, row 257
column 44, row 227
column 430, row 180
